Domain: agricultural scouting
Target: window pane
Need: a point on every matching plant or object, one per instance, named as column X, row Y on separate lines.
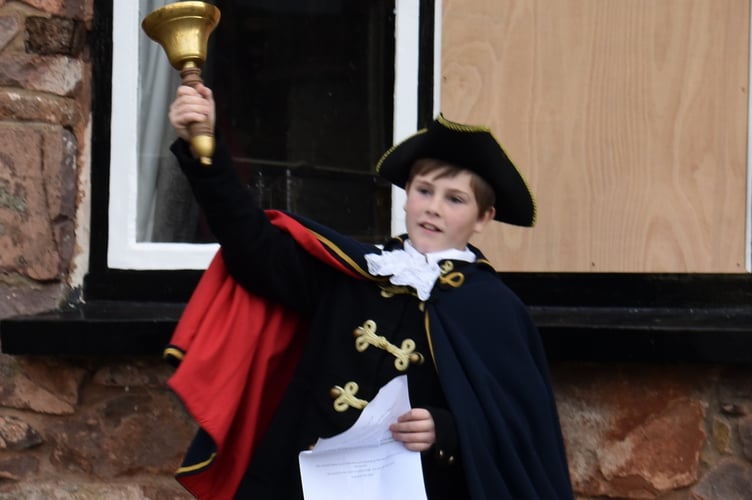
column 304, row 99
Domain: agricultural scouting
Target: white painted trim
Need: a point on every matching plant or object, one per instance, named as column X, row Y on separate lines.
column 406, row 91
column 123, row 252
column 406, row 61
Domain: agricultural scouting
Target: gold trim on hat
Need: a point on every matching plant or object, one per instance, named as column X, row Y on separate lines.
column 389, row 151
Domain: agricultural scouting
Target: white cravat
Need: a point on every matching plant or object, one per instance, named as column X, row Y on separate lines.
column 411, row 268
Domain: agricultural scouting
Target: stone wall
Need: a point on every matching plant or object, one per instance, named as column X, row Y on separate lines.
column 45, row 80
column 90, row 428
column 69, row 429
column 657, row 431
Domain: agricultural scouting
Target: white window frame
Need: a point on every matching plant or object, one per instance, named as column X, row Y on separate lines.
column 123, row 251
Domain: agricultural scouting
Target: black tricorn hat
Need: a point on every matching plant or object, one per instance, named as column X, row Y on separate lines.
column 473, row 148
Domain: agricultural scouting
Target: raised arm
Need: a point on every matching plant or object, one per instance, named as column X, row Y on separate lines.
column 259, row 256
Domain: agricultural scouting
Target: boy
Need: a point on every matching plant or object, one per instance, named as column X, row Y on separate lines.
column 428, row 305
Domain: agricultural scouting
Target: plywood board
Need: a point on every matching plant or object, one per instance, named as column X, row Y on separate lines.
column 627, row 117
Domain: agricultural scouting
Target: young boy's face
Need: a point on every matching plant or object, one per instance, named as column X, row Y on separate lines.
column 442, row 212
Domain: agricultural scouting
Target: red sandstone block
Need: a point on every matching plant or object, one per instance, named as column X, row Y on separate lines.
column 9, row 28
column 25, row 105
column 37, row 193
column 59, row 75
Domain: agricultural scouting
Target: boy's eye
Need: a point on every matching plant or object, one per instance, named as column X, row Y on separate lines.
column 423, row 190
column 456, row 199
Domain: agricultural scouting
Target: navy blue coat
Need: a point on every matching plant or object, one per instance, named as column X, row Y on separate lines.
column 487, row 369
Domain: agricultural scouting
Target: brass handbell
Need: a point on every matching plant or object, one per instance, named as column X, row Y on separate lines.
column 183, row 29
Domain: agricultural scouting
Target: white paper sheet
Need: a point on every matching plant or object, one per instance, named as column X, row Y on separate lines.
column 364, row 462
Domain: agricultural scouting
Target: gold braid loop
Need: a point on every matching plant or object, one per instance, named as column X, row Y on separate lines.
column 453, row 279
column 344, row 397
column 388, row 290
column 365, row 336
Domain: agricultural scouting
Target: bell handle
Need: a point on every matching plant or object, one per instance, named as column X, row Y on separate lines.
column 202, row 136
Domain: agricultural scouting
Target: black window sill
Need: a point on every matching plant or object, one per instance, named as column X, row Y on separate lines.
column 98, row 327
column 613, row 334
column 643, row 334
column 581, row 316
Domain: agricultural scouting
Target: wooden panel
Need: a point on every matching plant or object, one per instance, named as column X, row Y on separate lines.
column 627, row 117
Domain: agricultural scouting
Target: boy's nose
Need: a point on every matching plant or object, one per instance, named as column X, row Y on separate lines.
column 434, row 206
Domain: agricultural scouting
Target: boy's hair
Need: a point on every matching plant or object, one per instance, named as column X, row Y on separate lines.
column 484, row 193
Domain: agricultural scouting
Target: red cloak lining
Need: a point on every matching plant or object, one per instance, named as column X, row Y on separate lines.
column 240, row 352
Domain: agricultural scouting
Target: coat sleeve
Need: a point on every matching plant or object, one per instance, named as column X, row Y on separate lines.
column 260, row 257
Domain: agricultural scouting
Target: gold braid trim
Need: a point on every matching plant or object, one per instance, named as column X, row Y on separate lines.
column 192, row 468
column 388, row 290
column 461, row 127
column 453, row 279
column 389, row 151
column 342, row 255
column 344, row 397
column 427, row 323
column 365, row 336
column 173, row 352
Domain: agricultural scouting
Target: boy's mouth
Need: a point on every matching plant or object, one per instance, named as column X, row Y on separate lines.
column 429, row 227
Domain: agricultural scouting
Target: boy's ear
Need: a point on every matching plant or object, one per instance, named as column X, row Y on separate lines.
column 484, row 219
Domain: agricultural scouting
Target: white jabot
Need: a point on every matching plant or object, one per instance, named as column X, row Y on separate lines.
column 409, row 267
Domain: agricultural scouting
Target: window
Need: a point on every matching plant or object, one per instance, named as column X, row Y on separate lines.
column 309, row 95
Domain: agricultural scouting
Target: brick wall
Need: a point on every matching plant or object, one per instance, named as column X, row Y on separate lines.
column 90, row 428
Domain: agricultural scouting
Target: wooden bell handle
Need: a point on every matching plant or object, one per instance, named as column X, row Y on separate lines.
column 202, row 136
